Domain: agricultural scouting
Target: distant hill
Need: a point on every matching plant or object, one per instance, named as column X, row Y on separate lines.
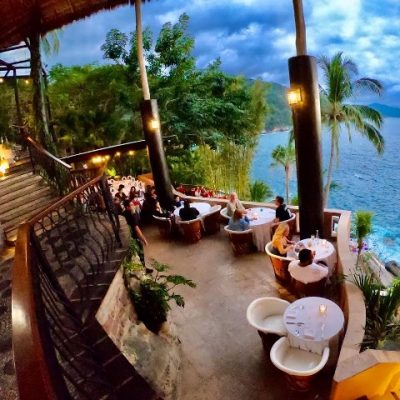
column 279, row 116
column 386, row 111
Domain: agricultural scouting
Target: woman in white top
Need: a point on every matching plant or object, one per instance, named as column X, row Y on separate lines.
column 233, row 205
column 305, row 270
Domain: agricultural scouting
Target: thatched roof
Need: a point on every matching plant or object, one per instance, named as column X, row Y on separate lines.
column 20, row 17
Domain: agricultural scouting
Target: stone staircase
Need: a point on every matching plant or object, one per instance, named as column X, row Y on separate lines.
column 22, row 195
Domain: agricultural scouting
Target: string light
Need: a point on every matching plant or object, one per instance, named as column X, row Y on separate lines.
column 26, row 81
column 118, row 154
column 97, row 160
column 131, row 152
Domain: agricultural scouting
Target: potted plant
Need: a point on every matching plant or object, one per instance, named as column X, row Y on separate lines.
column 151, row 289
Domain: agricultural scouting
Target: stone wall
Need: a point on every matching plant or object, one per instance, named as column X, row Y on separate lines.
column 157, row 358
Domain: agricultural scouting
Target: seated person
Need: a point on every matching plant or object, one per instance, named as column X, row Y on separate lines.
column 177, row 202
column 133, row 193
column 188, row 213
column 280, row 242
column 282, row 213
column 117, row 205
column 159, row 212
column 233, row 204
column 305, row 270
column 238, row 222
column 120, row 193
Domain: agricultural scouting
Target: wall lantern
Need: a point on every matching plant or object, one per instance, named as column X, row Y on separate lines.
column 107, row 157
column 294, row 97
column 26, row 81
column 154, row 124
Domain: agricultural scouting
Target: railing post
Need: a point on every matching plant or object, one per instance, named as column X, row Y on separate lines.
column 110, row 208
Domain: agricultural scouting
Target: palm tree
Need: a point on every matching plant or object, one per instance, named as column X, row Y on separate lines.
column 286, row 157
column 336, row 112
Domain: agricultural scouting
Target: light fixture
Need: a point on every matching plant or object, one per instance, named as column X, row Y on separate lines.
column 107, row 157
column 3, row 166
column 154, row 124
column 1, row 80
column 118, row 154
column 97, row 160
column 131, row 152
column 85, row 166
column 294, row 97
column 26, row 81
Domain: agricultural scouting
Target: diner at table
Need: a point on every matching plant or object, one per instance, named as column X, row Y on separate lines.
column 305, row 270
column 281, row 245
column 202, row 208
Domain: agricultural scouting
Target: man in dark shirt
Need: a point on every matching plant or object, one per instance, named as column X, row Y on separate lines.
column 188, row 213
column 282, row 212
column 136, row 232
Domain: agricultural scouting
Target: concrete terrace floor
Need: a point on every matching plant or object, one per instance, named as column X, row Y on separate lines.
column 223, row 354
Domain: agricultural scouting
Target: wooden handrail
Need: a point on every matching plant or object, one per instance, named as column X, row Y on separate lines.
column 33, row 373
column 40, row 149
column 54, row 206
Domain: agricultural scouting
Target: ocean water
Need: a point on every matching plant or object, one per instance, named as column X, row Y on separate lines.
column 366, row 180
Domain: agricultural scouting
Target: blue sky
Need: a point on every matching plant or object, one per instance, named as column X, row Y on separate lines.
column 256, row 37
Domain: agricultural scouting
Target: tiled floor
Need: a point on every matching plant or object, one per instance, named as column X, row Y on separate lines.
column 223, row 355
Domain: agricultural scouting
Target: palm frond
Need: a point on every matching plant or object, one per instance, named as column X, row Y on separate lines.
column 369, row 84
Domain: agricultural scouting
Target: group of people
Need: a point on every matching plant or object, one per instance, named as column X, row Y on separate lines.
column 304, row 269
column 239, row 221
column 197, row 191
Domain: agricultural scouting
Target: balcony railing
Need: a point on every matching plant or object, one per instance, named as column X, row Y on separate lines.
column 64, row 263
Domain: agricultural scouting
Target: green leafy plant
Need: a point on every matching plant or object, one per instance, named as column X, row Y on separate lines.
column 259, row 191
column 362, row 227
column 111, row 171
column 381, row 306
column 151, row 289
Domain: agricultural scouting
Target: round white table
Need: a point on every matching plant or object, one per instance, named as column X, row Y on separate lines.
column 311, row 329
column 261, row 226
column 324, row 251
column 203, row 208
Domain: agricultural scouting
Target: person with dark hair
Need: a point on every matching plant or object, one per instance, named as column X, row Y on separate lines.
column 282, row 213
column 177, row 201
column 133, row 222
column 305, row 270
column 120, row 194
column 188, row 213
column 239, row 221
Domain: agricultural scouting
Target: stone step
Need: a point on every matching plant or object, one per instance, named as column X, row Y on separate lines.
column 14, row 176
column 24, row 208
column 32, row 193
column 19, row 184
column 13, row 223
column 29, row 188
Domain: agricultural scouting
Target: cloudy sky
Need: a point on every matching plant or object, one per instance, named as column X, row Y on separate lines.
column 256, row 37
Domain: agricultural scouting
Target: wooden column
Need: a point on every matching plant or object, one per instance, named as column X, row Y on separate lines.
column 307, row 134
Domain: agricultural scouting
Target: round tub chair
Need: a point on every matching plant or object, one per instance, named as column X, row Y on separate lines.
column 299, row 366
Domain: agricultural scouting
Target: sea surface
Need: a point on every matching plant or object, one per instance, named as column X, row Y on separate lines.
column 366, row 180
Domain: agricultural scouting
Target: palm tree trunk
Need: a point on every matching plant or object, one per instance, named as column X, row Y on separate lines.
column 301, row 41
column 287, row 172
column 139, row 44
column 330, row 170
column 39, row 102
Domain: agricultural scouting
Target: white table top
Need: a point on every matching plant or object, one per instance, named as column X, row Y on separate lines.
column 264, row 215
column 323, row 249
column 304, row 320
column 203, row 208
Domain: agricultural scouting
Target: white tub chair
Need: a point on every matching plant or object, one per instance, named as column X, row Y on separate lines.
column 300, row 366
column 266, row 315
column 224, row 215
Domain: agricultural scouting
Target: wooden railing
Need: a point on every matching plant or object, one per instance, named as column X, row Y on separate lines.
column 61, row 272
column 55, row 171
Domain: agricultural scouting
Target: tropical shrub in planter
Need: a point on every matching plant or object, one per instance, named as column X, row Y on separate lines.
column 151, row 289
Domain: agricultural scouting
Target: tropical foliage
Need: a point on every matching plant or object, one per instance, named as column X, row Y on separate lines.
column 151, row 289
column 285, row 156
column 259, row 191
column 362, row 227
column 381, row 306
column 337, row 113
